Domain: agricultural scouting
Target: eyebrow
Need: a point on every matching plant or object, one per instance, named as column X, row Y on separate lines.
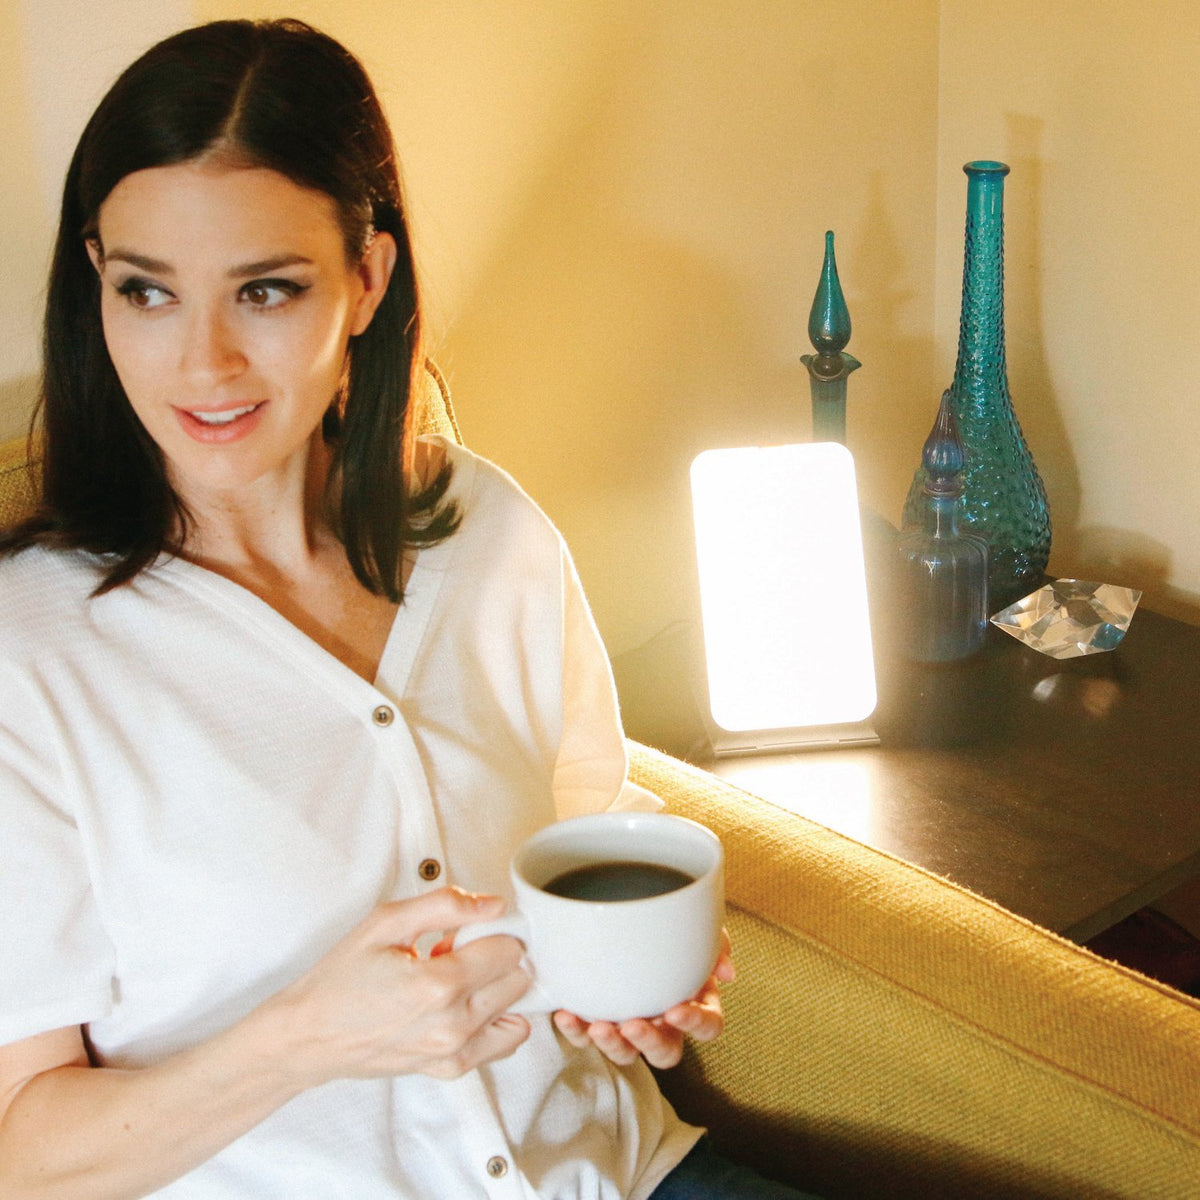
column 156, row 266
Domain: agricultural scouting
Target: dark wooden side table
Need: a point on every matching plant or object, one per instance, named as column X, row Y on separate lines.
column 1067, row 791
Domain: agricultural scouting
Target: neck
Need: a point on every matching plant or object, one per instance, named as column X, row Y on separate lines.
column 277, row 524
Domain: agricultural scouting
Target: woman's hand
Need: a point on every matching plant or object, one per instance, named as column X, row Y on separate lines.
column 372, row 1007
column 659, row 1040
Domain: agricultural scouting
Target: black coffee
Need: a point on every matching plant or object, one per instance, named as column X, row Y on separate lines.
column 617, row 881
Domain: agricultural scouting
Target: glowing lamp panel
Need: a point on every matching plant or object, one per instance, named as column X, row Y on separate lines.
column 782, row 587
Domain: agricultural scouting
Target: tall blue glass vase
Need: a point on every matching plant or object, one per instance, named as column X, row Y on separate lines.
column 1004, row 500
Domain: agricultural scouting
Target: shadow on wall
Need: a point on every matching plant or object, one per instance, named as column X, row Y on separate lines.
column 1102, row 553
column 885, row 432
column 1030, row 376
column 1110, row 555
column 599, row 414
column 619, row 376
column 663, row 691
column 596, row 358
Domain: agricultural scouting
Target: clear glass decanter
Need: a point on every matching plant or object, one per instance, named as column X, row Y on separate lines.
column 943, row 572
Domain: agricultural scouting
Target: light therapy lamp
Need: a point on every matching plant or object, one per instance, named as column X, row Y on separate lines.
column 783, row 596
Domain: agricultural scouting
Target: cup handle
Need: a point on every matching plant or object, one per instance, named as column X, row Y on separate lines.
column 513, row 925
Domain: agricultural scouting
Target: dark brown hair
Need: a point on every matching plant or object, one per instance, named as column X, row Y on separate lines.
column 275, row 94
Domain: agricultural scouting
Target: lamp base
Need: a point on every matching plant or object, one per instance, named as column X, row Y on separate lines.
column 725, row 743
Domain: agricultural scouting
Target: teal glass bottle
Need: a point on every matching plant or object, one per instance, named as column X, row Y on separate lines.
column 830, row 367
column 1004, row 499
column 943, row 572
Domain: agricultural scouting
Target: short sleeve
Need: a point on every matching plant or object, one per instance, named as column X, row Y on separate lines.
column 591, row 770
column 56, row 961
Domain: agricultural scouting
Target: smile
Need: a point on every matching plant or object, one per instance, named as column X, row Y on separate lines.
column 223, row 418
column 221, row 428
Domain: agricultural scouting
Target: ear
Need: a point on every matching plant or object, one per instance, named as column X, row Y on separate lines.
column 95, row 253
column 374, row 273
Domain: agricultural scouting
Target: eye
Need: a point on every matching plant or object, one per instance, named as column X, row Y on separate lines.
column 271, row 293
column 144, row 295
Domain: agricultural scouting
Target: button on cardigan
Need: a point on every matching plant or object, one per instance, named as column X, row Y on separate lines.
column 197, row 802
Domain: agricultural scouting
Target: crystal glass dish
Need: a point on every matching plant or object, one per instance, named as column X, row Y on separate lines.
column 1071, row 617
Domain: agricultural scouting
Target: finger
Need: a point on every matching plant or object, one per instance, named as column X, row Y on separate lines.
column 573, row 1028
column 402, row 922
column 496, row 995
column 460, row 1007
column 608, row 1039
column 486, row 977
column 725, row 970
column 702, row 1017
column 698, row 1021
column 498, row 1039
column 657, row 1042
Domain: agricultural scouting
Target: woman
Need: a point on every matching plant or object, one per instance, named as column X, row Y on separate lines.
column 280, row 683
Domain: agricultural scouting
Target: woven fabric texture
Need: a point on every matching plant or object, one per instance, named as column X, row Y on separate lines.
column 894, row 1035
column 18, row 490
column 435, row 413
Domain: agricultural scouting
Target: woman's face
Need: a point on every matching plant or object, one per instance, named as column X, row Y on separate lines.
column 228, row 305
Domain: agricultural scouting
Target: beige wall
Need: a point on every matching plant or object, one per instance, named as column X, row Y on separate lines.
column 619, row 208
column 57, row 57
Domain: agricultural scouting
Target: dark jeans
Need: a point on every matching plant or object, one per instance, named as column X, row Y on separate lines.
column 706, row 1175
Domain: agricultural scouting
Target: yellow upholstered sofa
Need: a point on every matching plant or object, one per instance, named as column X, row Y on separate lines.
column 891, row 1035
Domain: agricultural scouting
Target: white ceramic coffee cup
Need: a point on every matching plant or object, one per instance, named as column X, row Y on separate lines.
column 611, row 960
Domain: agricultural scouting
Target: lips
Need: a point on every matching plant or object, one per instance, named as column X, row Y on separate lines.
column 219, row 426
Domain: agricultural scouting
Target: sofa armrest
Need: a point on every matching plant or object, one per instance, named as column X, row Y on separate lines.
column 18, row 482
column 891, row 1034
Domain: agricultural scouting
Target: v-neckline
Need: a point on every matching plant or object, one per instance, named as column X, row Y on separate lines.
column 409, row 622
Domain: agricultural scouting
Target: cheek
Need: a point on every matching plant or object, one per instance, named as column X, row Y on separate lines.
column 316, row 347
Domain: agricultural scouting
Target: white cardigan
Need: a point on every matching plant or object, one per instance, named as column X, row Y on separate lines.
column 197, row 802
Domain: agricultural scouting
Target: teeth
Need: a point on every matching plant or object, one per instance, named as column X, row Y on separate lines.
column 223, row 418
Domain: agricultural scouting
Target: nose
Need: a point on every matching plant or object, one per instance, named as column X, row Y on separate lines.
column 211, row 351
